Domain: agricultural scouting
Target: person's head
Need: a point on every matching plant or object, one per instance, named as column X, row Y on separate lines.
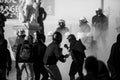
column 38, row 2
column 57, row 37
column 118, row 38
column 99, row 11
column 71, row 38
column 39, row 37
column 91, row 65
column 61, row 23
column 103, row 71
column 21, row 32
column 83, row 20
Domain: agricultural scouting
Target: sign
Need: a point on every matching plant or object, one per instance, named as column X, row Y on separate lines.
column 9, row 8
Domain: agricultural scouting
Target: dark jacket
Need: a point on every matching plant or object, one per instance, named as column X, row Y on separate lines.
column 90, row 76
column 2, row 20
column 53, row 54
column 42, row 14
column 113, row 61
column 5, row 58
column 38, row 52
column 77, row 49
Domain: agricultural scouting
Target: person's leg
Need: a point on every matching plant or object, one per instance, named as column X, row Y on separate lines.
column 80, row 69
column 73, row 70
column 19, row 72
column 30, row 67
column 26, row 67
column 55, row 71
column 36, row 71
column 44, row 73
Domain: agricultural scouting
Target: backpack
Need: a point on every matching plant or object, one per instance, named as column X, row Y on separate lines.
column 25, row 51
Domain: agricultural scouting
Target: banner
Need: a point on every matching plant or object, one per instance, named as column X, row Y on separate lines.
column 9, row 8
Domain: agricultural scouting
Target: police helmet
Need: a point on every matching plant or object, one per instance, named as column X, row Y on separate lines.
column 57, row 36
column 61, row 22
column 83, row 20
column 99, row 10
column 118, row 38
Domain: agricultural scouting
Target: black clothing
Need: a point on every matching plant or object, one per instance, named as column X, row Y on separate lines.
column 91, row 66
column 99, row 19
column 100, row 22
column 90, row 76
column 38, row 53
column 113, row 61
column 40, row 69
column 53, row 54
column 74, row 68
column 2, row 20
column 41, row 17
column 5, row 59
column 78, row 55
column 41, row 13
column 103, row 72
column 77, row 49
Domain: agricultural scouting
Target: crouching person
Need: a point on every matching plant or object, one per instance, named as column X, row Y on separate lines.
column 53, row 54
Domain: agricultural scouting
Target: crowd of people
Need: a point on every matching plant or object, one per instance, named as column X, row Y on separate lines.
column 36, row 58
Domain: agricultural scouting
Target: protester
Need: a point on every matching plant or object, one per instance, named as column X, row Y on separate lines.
column 77, row 53
column 53, row 54
column 39, row 49
column 5, row 58
column 113, row 60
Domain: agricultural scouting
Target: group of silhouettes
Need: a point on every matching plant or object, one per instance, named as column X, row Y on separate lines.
column 33, row 56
